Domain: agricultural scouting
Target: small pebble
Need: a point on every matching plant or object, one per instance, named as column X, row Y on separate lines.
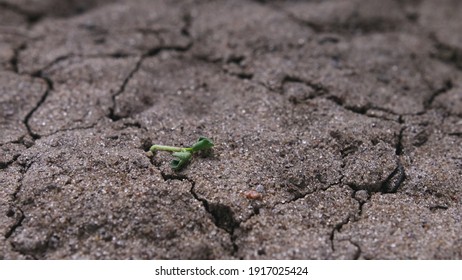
column 260, row 189
column 252, row 194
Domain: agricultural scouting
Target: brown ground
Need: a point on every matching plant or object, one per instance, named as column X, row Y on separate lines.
column 345, row 116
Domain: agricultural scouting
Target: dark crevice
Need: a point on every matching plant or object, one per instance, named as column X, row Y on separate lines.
column 457, row 134
column 337, row 228
column 18, row 222
column 264, row 2
column 340, row 102
column 49, row 83
column 399, row 144
column 435, row 89
column 394, row 180
column 14, row 60
column 40, row 72
column 175, row 176
column 187, row 19
column 187, row 22
column 144, row 31
column 236, row 59
column 38, row 250
column 389, row 185
column 152, row 52
column 115, row 55
column 297, row 190
column 388, row 111
column 320, row 90
column 31, row 17
column 438, row 207
column 119, row 55
column 155, row 51
column 15, row 209
column 222, row 215
column 233, row 61
column 337, row 100
column 361, row 202
column 297, row 196
column 447, row 53
column 134, row 124
column 445, row 88
column 112, row 115
column 362, row 110
column 4, row 165
column 242, row 75
column 358, row 252
column 366, row 110
column 207, row 59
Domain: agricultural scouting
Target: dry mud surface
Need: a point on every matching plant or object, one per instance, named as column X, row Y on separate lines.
column 342, row 118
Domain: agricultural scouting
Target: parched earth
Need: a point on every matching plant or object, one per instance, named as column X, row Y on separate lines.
column 337, row 127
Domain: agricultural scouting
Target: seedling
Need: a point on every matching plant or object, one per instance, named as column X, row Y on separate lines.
column 183, row 155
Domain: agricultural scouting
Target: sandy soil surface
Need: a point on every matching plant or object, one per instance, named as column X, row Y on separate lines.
column 337, row 127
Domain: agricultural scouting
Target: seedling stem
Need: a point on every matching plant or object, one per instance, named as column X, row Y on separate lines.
column 168, row 148
column 183, row 154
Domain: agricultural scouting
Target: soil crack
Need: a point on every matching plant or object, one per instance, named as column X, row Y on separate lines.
column 18, row 222
column 337, row 228
column 358, row 250
column 221, row 215
column 31, row 17
column 445, row 88
column 152, row 52
column 394, row 180
column 362, row 197
column 15, row 58
column 121, row 89
column 447, row 54
column 4, row 165
column 15, row 209
column 49, row 84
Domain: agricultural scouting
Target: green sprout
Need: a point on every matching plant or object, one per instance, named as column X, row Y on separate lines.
column 183, row 155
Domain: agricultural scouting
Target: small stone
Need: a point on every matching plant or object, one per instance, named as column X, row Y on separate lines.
column 260, row 189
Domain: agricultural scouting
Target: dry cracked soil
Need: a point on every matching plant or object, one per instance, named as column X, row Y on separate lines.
column 337, row 127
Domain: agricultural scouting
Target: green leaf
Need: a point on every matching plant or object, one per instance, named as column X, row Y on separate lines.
column 202, row 143
column 182, row 159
